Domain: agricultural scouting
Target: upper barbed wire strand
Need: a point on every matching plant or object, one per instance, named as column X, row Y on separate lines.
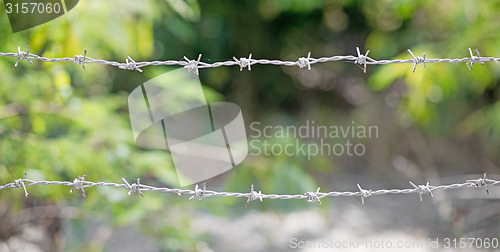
column 194, row 65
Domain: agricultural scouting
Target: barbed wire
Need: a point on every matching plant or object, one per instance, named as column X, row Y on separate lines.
column 200, row 193
column 194, row 65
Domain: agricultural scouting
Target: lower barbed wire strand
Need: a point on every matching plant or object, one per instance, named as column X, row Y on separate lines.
column 420, row 189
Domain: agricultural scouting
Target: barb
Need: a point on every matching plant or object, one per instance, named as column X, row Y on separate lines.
column 80, row 184
column 303, row 62
column 362, row 60
column 364, row 194
column 80, row 60
column 23, row 55
column 192, row 65
column 474, row 59
column 418, row 60
column 480, row 182
column 20, row 183
column 422, row 189
column 134, row 187
column 199, row 193
column 130, row 65
column 313, row 196
column 253, row 196
column 243, row 62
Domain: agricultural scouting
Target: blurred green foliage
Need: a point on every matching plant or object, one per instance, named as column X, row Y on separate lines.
column 58, row 122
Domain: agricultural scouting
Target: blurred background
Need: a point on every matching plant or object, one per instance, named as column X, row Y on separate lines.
column 58, row 122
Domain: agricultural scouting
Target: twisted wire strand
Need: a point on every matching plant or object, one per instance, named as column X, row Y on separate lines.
column 81, row 184
column 194, row 65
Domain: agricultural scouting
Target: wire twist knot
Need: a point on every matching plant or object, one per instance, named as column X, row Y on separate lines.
column 192, row 65
column 78, row 184
column 474, row 59
column 80, row 60
column 130, row 64
column 362, row 59
column 304, row 62
column 199, row 193
column 313, row 196
column 134, row 187
column 422, row 189
column 364, row 194
column 418, row 60
column 480, row 182
column 23, row 55
column 20, row 184
column 253, row 196
column 244, row 62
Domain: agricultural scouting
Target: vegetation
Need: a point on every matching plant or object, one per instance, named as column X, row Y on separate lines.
column 58, row 122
